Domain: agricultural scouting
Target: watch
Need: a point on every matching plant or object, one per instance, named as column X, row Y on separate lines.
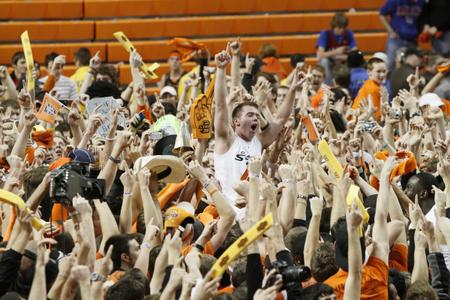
column 97, row 277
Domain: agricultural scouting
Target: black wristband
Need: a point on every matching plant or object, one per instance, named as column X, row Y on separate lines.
column 199, row 247
column 114, row 160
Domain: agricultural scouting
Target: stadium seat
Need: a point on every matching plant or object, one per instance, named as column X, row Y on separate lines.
column 230, row 25
column 40, row 50
column 130, row 8
column 41, row 9
column 48, row 31
column 305, row 44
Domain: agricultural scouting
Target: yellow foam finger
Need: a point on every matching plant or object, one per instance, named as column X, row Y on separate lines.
column 149, row 72
column 332, row 161
column 13, row 199
column 28, row 59
column 240, row 245
column 353, row 197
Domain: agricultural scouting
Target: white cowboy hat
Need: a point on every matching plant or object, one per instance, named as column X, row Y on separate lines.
column 168, row 168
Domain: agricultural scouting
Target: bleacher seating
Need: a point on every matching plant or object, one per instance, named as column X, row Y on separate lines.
column 64, row 26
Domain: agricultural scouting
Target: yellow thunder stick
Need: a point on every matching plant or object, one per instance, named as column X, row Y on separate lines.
column 29, row 60
column 353, row 197
column 332, row 161
column 13, row 199
column 149, row 72
column 240, row 245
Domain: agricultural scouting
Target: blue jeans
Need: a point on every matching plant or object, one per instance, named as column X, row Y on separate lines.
column 442, row 45
column 391, row 49
column 328, row 65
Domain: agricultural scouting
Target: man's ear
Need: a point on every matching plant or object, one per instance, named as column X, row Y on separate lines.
column 234, row 123
column 423, row 194
column 124, row 257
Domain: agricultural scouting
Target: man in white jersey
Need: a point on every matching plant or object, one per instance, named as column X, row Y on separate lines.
column 240, row 139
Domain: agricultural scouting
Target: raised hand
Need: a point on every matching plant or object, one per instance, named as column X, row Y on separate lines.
column 24, row 98
column 94, row 123
column 249, row 63
column 235, row 47
column 82, row 206
column 354, row 217
column 222, row 59
column 128, row 179
column 254, row 166
column 316, row 205
column 95, row 62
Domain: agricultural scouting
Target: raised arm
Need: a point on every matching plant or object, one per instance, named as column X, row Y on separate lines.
column 235, row 48
column 221, row 117
column 22, row 139
column 94, row 63
column 352, row 289
column 151, row 208
column 108, row 173
column 287, row 202
column 420, row 270
column 284, row 111
column 5, row 79
column 128, row 179
column 380, row 231
column 224, row 209
column 313, row 234
column 39, row 285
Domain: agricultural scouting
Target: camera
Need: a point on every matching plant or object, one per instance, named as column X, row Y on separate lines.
column 369, row 126
column 395, row 114
column 73, row 179
column 292, row 275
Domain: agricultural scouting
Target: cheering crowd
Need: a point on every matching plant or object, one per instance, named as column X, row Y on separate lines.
column 330, row 181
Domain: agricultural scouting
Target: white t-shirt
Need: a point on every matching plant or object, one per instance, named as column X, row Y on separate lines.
column 230, row 166
column 430, row 216
column 64, row 87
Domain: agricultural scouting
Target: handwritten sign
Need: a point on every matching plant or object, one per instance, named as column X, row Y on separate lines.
column 49, row 109
column 105, row 106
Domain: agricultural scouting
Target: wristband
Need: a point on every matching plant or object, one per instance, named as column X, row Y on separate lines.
column 114, row 160
column 207, row 183
column 213, row 192
column 146, row 245
column 97, row 277
column 199, row 247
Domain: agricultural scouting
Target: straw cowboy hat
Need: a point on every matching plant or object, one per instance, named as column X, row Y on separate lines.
column 168, row 168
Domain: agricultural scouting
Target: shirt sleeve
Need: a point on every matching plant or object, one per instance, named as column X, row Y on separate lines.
column 387, row 9
column 351, row 40
column 322, row 41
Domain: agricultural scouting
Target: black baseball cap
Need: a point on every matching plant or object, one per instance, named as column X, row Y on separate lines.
column 413, row 51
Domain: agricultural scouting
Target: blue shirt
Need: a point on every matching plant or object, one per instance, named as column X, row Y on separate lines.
column 404, row 16
column 327, row 38
column 357, row 78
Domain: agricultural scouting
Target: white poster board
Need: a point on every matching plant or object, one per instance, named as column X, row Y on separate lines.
column 105, row 106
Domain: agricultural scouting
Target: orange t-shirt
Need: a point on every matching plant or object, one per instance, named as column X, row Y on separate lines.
column 398, row 257
column 446, row 107
column 316, row 99
column 147, row 112
column 374, row 281
column 209, row 249
column 372, row 88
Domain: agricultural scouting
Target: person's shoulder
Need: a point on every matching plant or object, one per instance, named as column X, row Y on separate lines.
column 376, row 269
column 67, row 80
